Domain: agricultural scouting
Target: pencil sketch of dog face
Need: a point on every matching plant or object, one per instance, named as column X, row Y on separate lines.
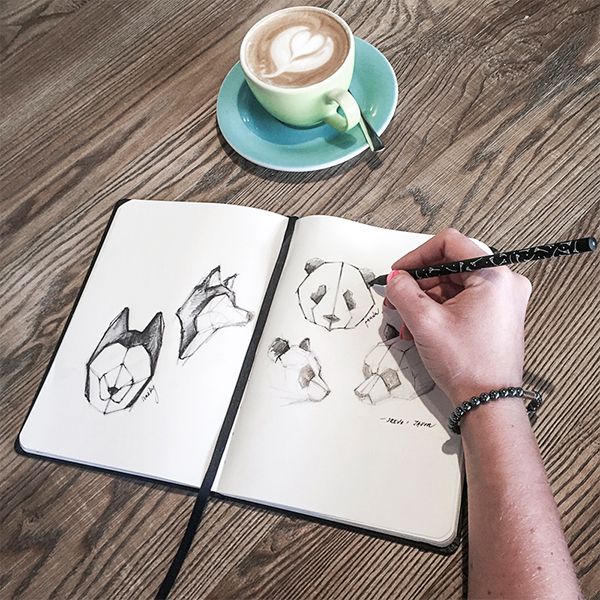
column 393, row 369
column 300, row 371
column 335, row 295
column 123, row 363
column 211, row 306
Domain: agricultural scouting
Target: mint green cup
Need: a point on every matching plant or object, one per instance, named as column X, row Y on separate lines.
column 312, row 104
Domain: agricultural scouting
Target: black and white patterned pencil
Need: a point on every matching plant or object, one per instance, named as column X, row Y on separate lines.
column 587, row 244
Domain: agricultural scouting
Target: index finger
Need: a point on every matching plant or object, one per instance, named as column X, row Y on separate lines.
column 448, row 245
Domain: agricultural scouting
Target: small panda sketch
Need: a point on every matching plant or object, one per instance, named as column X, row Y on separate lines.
column 335, row 295
column 393, row 369
column 299, row 375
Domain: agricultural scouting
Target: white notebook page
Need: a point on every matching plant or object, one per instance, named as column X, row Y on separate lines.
column 155, row 255
column 391, row 465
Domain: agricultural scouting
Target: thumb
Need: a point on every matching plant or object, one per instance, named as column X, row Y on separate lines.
column 413, row 304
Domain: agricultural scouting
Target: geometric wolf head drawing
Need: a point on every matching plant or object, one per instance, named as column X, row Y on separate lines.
column 210, row 307
column 123, row 363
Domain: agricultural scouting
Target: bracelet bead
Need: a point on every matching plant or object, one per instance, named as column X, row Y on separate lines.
column 509, row 392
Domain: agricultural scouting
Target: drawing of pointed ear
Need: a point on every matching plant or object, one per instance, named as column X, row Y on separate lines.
column 212, row 279
column 152, row 336
column 305, row 344
column 228, row 283
column 121, row 323
column 278, row 348
column 312, row 264
column 368, row 275
column 155, row 328
column 115, row 330
column 389, row 332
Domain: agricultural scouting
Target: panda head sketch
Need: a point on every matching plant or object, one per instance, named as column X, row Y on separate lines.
column 393, row 369
column 335, row 295
column 300, row 370
column 123, row 363
column 210, row 306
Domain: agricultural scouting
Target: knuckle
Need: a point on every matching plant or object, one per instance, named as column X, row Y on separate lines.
column 503, row 274
column 509, row 280
column 450, row 233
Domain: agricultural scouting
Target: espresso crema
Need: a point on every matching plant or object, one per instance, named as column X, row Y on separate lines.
column 297, row 48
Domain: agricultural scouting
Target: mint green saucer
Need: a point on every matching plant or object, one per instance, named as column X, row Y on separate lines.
column 260, row 138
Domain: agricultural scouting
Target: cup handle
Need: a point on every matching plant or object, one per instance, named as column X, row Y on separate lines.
column 349, row 106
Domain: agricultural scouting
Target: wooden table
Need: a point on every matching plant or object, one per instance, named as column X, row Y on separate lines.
column 496, row 133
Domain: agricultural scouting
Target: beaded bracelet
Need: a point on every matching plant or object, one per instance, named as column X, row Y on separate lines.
column 510, row 392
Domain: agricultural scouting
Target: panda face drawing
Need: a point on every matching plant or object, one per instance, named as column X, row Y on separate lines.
column 300, row 377
column 335, row 295
column 393, row 369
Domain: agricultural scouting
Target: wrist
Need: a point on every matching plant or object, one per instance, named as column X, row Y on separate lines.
column 468, row 390
column 495, row 438
column 515, row 393
column 499, row 415
column 482, row 399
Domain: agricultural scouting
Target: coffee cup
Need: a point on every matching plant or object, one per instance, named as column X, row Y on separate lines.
column 298, row 63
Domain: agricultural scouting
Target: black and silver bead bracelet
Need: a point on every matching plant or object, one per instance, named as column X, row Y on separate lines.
column 535, row 401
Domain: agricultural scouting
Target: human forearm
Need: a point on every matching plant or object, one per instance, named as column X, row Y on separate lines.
column 516, row 544
column 469, row 332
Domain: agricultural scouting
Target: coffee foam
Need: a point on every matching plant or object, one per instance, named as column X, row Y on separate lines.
column 297, row 48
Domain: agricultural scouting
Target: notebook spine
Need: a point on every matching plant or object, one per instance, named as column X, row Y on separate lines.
column 213, row 467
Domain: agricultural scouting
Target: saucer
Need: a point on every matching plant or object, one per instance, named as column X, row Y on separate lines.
column 260, row 138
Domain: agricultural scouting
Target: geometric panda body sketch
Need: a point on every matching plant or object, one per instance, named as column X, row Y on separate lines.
column 123, row 363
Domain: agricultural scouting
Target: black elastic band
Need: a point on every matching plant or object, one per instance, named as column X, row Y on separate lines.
column 211, row 472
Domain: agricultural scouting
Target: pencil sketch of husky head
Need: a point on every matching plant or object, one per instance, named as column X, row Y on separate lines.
column 123, row 363
column 211, row 306
column 393, row 369
column 300, row 371
column 335, row 295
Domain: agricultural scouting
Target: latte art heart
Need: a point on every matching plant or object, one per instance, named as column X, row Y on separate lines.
column 297, row 48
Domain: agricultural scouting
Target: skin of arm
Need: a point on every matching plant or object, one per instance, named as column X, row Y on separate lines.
column 469, row 331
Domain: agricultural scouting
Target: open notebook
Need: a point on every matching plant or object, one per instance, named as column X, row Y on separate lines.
column 338, row 418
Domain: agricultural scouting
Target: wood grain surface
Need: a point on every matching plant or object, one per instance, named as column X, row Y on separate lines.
column 496, row 133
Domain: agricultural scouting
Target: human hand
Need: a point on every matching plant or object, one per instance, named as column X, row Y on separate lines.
column 468, row 328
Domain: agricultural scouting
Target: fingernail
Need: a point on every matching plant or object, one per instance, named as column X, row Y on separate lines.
column 392, row 275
